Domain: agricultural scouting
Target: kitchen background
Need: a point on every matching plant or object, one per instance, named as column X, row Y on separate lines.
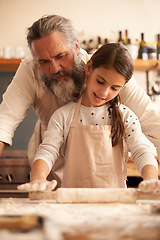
column 91, row 18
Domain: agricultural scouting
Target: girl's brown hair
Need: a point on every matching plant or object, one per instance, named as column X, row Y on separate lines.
column 115, row 55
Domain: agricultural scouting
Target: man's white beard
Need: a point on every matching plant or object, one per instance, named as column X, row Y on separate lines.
column 71, row 87
column 64, row 90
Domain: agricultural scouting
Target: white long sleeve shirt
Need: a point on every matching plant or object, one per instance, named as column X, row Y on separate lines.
column 27, row 88
column 56, row 135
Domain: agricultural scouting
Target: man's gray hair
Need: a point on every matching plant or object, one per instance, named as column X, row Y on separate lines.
column 47, row 24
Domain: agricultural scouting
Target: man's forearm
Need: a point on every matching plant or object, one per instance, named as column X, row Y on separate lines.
column 2, row 145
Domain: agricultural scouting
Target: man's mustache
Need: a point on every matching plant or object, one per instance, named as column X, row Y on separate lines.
column 55, row 76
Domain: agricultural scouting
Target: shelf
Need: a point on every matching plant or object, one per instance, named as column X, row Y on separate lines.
column 146, row 65
column 7, row 65
column 12, row 64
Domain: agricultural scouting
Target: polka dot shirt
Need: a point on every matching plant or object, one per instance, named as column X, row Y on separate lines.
column 59, row 124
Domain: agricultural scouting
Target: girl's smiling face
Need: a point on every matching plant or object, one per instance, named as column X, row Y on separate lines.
column 102, row 85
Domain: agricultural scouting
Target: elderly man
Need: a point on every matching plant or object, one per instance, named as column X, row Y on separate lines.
column 52, row 76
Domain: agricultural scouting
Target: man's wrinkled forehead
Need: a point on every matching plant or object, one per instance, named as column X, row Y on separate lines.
column 51, row 46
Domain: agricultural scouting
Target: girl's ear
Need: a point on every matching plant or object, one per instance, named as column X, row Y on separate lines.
column 89, row 67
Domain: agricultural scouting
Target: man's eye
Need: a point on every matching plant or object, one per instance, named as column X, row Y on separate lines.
column 42, row 61
column 61, row 56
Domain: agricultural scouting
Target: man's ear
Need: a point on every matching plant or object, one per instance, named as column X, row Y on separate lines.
column 88, row 67
column 77, row 47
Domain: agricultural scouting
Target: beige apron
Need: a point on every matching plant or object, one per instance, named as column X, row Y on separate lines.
column 90, row 159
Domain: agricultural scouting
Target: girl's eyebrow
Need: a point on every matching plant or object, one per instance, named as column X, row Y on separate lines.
column 119, row 86
column 101, row 78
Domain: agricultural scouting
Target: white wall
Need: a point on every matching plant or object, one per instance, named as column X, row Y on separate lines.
column 90, row 17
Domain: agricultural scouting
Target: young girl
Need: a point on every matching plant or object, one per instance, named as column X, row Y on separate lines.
column 93, row 133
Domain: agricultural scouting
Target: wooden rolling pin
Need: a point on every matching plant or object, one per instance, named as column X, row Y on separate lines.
column 94, row 195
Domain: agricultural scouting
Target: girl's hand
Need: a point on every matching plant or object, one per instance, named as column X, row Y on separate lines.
column 151, row 185
column 38, row 185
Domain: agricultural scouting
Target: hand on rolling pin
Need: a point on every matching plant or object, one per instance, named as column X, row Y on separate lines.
column 39, row 173
column 151, row 185
column 150, row 181
column 38, row 185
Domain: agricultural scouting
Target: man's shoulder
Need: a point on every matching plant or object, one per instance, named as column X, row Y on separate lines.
column 84, row 55
column 29, row 60
column 32, row 67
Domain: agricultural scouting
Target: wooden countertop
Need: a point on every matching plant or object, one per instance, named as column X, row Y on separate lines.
column 139, row 64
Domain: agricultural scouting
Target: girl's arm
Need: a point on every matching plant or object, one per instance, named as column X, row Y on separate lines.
column 40, row 170
column 149, row 172
column 39, row 173
column 48, row 151
column 142, row 153
column 150, row 181
column 133, row 96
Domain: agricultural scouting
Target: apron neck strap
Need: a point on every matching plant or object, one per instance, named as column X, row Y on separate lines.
column 77, row 109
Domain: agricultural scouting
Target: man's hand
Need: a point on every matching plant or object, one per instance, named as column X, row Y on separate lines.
column 2, row 145
column 38, row 185
column 151, row 185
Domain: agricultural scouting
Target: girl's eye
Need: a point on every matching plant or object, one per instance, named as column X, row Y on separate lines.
column 100, row 82
column 115, row 89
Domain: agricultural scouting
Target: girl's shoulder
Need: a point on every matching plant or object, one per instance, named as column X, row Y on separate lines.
column 62, row 115
column 64, row 110
column 124, row 109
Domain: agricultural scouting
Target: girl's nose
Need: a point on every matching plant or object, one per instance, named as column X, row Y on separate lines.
column 106, row 91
